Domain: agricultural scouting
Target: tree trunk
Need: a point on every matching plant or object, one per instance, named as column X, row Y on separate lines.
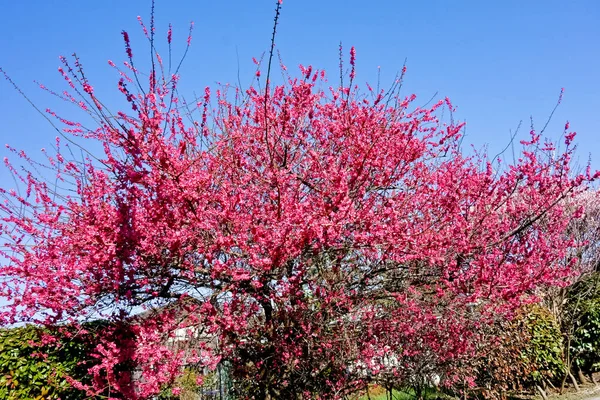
column 562, row 384
column 593, row 379
column 567, row 357
column 581, row 376
column 574, row 381
column 542, row 392
column 418, row 392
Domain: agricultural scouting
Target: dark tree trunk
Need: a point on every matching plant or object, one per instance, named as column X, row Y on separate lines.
column 542, row 392
column 582, row 379
column 574, row 381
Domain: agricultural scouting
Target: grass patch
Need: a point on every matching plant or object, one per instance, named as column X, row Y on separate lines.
column 378, row 393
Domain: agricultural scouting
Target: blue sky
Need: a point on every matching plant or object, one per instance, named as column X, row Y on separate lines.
column 498, row 61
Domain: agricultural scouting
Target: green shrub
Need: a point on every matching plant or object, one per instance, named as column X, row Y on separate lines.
column 27, row 374
column 585, row 346
column 544, row 349
column 522, row 353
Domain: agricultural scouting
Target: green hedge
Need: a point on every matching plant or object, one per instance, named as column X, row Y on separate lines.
column 527, row 351
column 584, row 301
column 544, row 350
column 27, row 374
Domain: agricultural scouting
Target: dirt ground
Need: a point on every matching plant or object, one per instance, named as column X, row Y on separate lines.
column 588, row 392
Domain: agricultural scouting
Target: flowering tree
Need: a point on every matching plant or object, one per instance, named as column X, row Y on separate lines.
column 328, row 237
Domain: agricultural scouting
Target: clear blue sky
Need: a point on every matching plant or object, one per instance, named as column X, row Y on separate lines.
column 499, row 61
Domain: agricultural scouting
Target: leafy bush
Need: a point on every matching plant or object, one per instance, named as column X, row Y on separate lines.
column 585, row 346
column 35, row 362
column 525, row 351
column 543, row 351
column 193, row 383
